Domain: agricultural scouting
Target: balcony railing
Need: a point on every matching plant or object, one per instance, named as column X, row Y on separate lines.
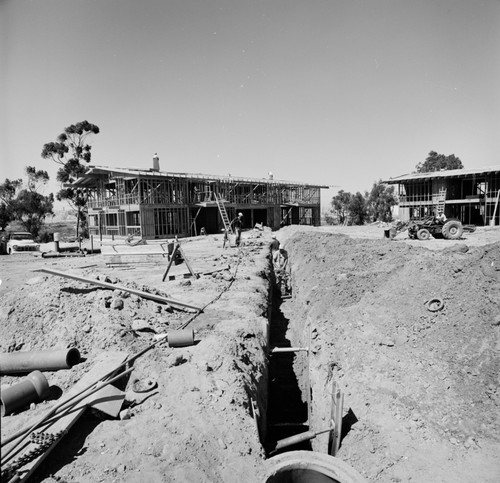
column 179, row 199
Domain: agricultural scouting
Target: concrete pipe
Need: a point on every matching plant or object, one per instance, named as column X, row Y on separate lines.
column 309, row 467
column 56, row 242
column 34, row 388
column 22, row 362
column 181, row 338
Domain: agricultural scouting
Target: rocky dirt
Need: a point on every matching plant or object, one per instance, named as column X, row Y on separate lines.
column 420, row 387
column 197, row 425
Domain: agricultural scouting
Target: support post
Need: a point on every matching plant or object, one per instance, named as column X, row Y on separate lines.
column 172, row 257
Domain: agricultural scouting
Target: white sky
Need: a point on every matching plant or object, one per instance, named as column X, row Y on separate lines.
column 325, row 91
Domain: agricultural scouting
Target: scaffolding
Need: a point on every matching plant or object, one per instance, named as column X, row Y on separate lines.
column 160, row 204
column 469, row 195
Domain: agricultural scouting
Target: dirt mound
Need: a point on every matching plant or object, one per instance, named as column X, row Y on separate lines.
column 420, row 380
column 408, row 330
column 197, row 424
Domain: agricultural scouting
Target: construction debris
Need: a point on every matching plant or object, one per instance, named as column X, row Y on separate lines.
column 48, row 360
column 33, row 388
column 99, row 283
column 64, row 414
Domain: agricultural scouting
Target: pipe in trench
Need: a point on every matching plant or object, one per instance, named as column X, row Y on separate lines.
column 33, row 388
column 49, row 360
column 300, row 438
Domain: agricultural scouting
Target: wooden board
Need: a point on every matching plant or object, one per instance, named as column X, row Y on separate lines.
column 336, row 416
column 103, row 364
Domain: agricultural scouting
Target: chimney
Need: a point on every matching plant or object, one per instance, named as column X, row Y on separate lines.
column 156, row 162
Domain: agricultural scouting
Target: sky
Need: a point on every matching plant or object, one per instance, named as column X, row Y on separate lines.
column 341, row 93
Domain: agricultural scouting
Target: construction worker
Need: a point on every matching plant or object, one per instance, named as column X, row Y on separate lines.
column 238, row 225
column 275, row 247
column 282, row 258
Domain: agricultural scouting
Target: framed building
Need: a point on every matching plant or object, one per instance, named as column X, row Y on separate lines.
column 471, row 195
column 155, row 205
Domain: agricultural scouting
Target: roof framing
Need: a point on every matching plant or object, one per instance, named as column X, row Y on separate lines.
column 452, row 173
column 99, row 171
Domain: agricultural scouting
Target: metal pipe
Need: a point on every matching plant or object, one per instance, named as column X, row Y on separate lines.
column 34, row 388
column 275, row 350
column 49, row 360
column 60, row 254
column 299, row 438
column 146, row 295
column 58, row 408
column 102, row 379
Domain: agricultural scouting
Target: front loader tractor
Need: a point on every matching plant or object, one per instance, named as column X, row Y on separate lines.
column 450, row 229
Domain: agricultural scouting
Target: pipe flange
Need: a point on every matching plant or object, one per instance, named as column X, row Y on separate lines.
column 144, row 386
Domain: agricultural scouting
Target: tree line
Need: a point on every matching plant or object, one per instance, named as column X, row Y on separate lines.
column 23, row 200
column 376, row 205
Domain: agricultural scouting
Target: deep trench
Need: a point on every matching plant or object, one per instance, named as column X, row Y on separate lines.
column 287, row 408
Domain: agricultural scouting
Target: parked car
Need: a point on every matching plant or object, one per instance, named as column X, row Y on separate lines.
column 21, row 241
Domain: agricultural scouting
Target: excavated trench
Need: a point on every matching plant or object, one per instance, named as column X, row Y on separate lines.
column 287, row 405
column 288, row 432
column 287, row 412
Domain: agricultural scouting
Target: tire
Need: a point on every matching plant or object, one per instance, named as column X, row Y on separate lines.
column 423, row 234
column 452, row 230
column 434, row 305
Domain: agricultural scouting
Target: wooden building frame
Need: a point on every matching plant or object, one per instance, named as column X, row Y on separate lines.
column 157, row 205
column 471, row 195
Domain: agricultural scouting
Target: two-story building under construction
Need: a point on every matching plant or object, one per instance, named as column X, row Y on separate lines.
column 471, row 195
column 153, row 204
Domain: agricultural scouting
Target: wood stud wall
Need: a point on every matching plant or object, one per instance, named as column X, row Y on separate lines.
column 471, row 198
column 166, row 204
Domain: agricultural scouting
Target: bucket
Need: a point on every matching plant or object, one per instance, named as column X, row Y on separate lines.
column 170, row 248
column 178, row 257
column 232, row 240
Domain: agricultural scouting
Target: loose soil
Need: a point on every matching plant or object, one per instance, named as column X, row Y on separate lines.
column 420, row 386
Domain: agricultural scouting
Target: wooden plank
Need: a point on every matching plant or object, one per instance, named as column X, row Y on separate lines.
column 336, row 416
column 108, row 400
column 191, row 271
column 172, row 258
column 104, row 363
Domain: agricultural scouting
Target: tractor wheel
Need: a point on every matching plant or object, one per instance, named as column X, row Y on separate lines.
column 452, row 230
column 423, row 234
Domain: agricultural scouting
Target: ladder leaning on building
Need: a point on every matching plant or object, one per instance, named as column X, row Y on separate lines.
column 440, row 202
column 223, row 213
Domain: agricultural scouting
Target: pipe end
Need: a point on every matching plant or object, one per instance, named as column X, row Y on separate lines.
column 72, row 357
